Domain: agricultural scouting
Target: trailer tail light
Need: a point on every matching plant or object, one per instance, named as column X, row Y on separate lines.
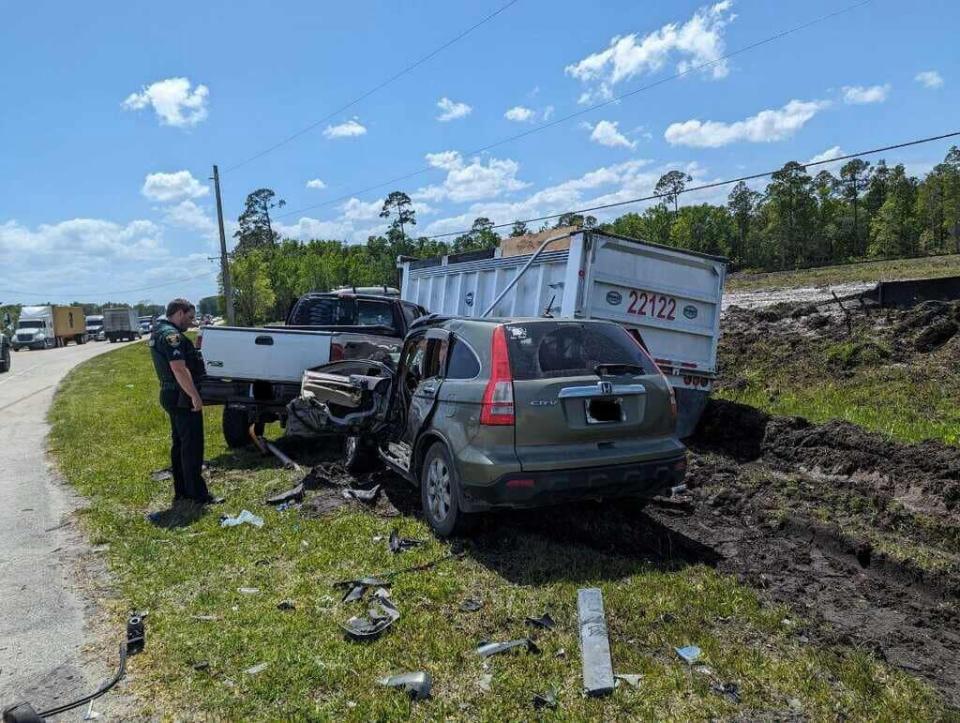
column 336, row 352
column 497, row 408
column 673, row 403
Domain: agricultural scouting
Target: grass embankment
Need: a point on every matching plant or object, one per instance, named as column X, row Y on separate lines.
column 874, row 375
column 109, row 433
column 867, row 271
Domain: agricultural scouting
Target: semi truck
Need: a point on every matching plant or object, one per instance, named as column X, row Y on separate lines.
column 121, row 324
column 43, row 327
column 95, row 328
column 669, row 299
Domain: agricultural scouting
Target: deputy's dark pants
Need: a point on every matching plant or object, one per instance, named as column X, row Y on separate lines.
column 186, row 451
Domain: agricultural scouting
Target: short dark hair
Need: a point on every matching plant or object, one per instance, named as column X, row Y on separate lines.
column 179, row 305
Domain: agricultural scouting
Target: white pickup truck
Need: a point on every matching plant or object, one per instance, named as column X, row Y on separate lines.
column 255, row 372
column 667, row 297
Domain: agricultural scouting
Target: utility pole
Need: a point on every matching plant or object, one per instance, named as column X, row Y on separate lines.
column 224, row 263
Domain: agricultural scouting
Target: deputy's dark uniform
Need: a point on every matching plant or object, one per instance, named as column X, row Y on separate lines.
column 167, row 344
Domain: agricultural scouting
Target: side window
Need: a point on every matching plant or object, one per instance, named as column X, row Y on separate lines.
column 410, row 313
column 463, row 362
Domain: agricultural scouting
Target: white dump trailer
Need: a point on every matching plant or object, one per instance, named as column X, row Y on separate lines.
column 669, row 297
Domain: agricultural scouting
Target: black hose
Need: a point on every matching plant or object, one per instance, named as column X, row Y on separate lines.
column 103, row 689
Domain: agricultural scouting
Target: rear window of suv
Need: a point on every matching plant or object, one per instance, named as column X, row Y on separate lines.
column 339, row 311
column 559, row 349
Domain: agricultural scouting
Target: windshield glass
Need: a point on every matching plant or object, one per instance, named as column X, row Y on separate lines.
column 30, row 324
column 558, row 349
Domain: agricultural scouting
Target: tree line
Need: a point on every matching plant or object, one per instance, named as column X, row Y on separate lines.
column 798, row 220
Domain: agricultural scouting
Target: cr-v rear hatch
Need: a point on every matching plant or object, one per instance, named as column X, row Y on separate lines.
column 585, row 395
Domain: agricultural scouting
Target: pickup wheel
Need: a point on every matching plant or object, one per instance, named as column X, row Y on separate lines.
column 440, row 493
column 236, row 428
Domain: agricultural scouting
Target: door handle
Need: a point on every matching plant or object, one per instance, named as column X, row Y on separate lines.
column 429, row 388
column 264, row 340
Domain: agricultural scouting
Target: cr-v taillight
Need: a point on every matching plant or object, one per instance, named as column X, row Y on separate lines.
column 336, row 352
column 497, row 408
column 635, row 335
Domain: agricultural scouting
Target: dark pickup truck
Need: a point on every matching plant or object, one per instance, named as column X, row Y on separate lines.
column 254, row 372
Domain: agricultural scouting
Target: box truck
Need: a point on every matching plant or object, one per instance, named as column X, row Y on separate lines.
column 121, row 324
column 42, row 327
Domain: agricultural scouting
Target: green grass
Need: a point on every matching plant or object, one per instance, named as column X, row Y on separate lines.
column 868, row 271
column 109, row 435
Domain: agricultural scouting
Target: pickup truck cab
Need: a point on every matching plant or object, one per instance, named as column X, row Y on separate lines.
column 254, row 372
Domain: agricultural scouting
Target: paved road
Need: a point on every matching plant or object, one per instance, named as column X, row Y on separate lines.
column 42, row 611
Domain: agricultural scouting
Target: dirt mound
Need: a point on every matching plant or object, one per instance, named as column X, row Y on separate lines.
column 927, row 474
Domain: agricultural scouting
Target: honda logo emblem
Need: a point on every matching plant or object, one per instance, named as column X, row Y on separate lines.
column 606, row 388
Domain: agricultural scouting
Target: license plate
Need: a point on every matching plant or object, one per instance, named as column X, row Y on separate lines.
column 652, row 305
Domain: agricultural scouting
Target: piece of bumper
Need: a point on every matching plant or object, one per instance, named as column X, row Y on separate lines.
column 538, row 489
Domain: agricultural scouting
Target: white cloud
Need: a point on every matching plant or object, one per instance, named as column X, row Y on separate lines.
column 173, row 100
column 830, row 153
column 167, row 187
column 520, row 114
column 82, row 238
column 606, row 133
column 929, row 79
column 450, row 110
column 316, row 184
column 548, row 112
column 350, row 129
column 189, row 215
column 471, row 181
column 764, row 127
column 861, row 95
column 357, row 210
column 697, row 41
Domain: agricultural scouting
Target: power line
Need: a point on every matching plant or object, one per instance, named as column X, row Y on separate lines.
column 115, row 291
column 596, row 106
column 714, row 184
column 380, row 86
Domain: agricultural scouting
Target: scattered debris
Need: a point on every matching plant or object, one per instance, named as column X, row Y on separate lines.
column 245, row 517
column 399, row 544
column 470, row 605
column 91, row 714
column 294, row 494
column 487, row 649
column 286, row 605
column 631, row 679
column 594, row 643
column 545, row 700
column 690, row 654
column 279, row 454
column 161, row 475
column 257, row 669
column 248, row 590
column 201, row 665
column 561, row 653
column 381, row 615
column 361, row 495
column 544, row 621
column 485, row 682
column 731, row 691
column 288, row 506
column 355, row 589
column 136, row 633
column 417, row 685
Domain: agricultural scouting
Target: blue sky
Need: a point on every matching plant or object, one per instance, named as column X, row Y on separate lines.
column 114, row 113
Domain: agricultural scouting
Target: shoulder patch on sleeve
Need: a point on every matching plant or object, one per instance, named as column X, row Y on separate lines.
column 173, row 339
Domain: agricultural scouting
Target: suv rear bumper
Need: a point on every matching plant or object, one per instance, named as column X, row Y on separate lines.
column 539, row 489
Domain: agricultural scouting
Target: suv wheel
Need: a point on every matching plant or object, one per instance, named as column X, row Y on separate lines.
column 440, row 492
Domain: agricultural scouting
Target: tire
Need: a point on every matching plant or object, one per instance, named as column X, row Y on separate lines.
column 359, row 454
column 440, row 493
column 236, row 428
column 5, row 361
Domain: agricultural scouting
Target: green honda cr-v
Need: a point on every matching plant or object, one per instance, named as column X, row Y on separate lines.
column 485, row 413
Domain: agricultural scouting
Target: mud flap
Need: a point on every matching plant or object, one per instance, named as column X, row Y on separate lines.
column 690, row 406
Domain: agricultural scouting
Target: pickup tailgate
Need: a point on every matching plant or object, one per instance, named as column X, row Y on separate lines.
column 272, row 355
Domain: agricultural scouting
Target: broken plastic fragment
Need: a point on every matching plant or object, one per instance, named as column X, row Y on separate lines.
column 294, row 494
column 257, row 669
column 731, row 691
column 487, row 649
column 381, row 615
column 545, row 700
column 286, row 605
column 629, row 678
column 594, row 643
column 399, row 544
column 355, row 589
column 470, row 605
column 690, row 654
column 369, row 495
column 544, row 621
column 161, row 475
column 248, row 590
column 485, row 681
column 417, row 685
column 245, row 516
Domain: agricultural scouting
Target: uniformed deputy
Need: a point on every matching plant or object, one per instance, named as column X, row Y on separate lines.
column 179, row 366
